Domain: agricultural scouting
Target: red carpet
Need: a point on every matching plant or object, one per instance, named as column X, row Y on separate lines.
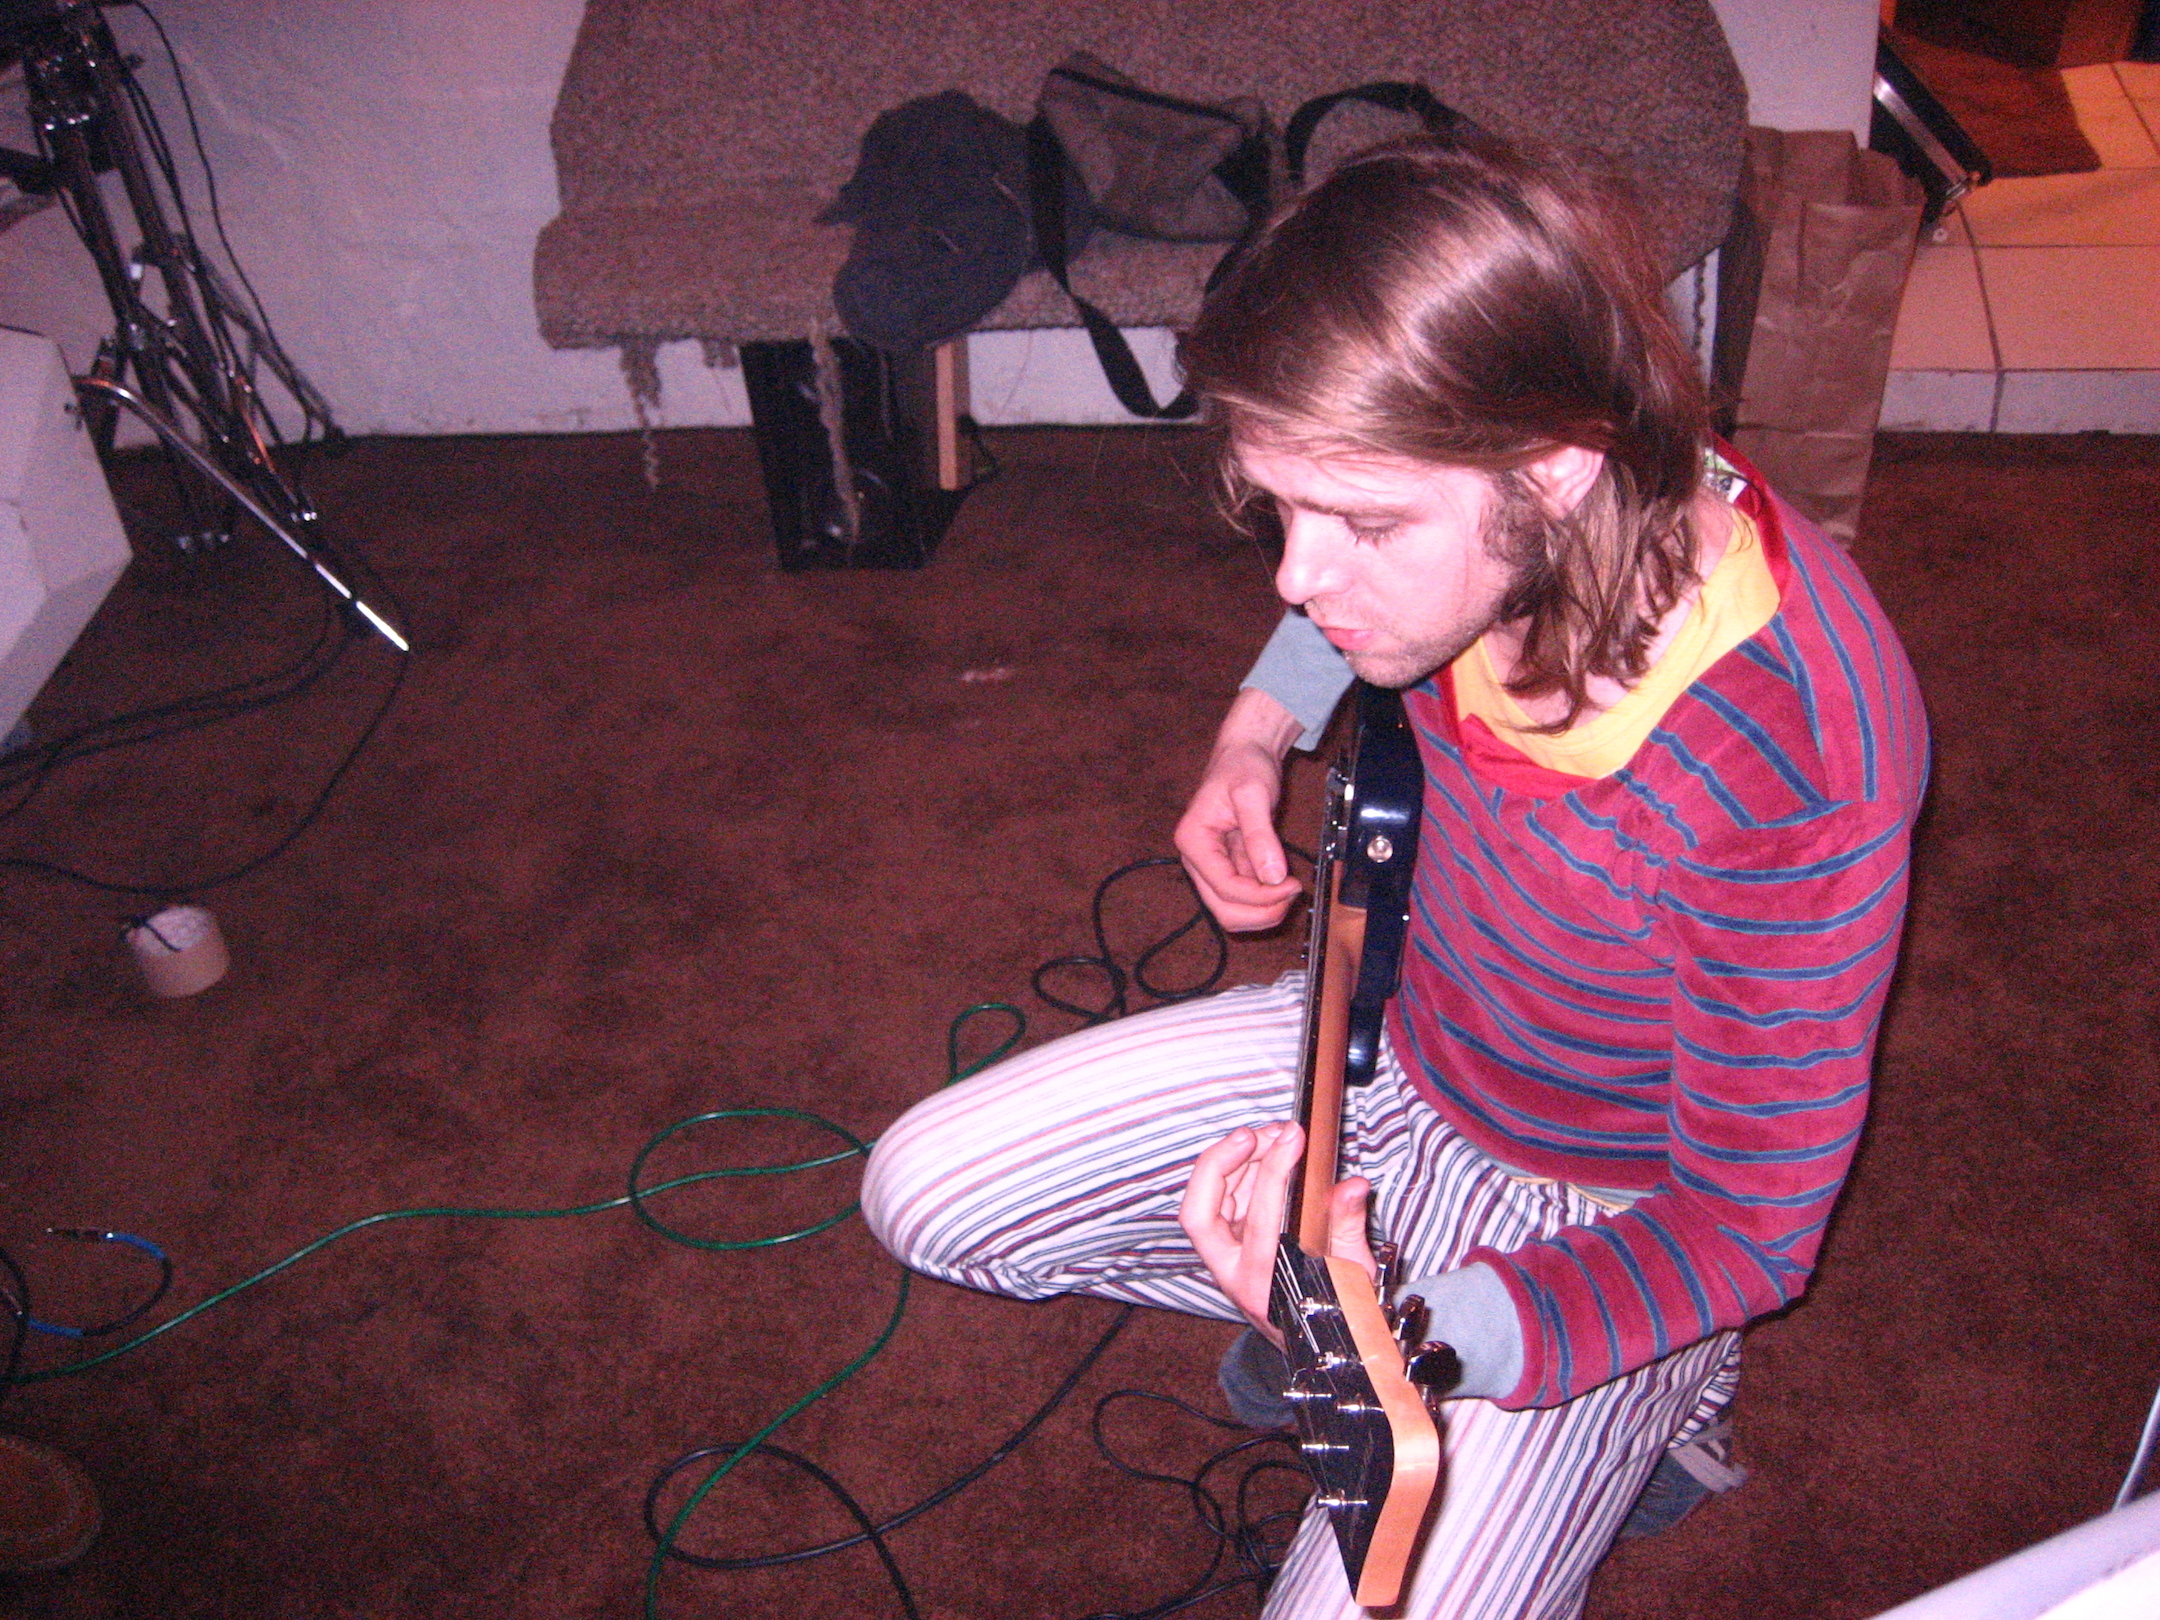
column 654, row 829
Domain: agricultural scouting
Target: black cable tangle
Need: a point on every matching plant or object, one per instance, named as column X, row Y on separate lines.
column 1252, row 1541
column 872, row 1532
column 1119, row 980
column 1257, row 1543
column 200, row 885
column 24, row 776
column 156, row 135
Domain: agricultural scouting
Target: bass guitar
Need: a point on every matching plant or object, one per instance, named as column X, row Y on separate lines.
column 1363, row 1381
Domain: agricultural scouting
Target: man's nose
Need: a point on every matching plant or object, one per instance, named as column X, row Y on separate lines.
column 1311, row 558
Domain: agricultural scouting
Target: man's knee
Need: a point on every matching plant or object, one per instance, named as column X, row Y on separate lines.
column 899, row 1183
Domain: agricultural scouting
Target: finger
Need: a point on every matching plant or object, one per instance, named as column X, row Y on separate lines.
column 1347, row 1239
column 1201, row 1212
column 1241, row 1181
column 1240, row 861
column 1242, row 905
column 1272, row 1169
column 1202, row 843
column 1255, row 807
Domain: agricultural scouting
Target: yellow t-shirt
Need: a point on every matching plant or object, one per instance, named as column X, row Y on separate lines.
column 1738, row 599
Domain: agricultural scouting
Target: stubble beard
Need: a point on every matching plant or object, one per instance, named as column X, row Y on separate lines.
column 1411, row 664
column 1414, row 660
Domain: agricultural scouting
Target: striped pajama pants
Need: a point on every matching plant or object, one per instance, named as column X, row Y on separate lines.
column 1060, row 1171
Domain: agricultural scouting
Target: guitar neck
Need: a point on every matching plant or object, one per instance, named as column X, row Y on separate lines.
column 1336, row 947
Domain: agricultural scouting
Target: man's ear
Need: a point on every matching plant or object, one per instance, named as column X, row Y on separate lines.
column 1563, row 475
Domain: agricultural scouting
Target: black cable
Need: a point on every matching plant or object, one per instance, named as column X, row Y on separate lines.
column 1119, row 980
column 26, row 774
column 233, row 874
column 333, row 634
column 18, row 1304
column 1235, row 1533
column 871, row 1532
column 217, row 215
column 22, row 780
column 906, row 1515
column 143, row 1246
column 1258, row 1544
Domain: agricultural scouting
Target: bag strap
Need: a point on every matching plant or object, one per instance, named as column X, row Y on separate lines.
column 1243, row 173
column 1146, row 98
column 1393, row 94
column 1046, row 197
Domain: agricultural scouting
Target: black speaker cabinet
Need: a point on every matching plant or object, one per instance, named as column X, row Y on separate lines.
column 886, row 414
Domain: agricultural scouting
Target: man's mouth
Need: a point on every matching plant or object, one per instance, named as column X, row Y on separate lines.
column 1345, row 638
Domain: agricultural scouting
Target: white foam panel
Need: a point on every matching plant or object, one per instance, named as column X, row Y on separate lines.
column 61, row 544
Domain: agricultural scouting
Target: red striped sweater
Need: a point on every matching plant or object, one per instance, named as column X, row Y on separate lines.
column 1669, row 979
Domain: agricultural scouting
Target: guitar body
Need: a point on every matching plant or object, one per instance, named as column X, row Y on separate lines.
column 1365, row 1428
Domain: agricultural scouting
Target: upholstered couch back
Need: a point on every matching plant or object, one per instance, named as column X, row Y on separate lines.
column 696, row 140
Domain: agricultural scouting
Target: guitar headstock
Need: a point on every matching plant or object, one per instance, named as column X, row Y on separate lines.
column 1366, row 1435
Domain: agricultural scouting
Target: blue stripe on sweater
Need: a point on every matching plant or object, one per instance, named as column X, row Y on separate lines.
column 1694, row 1181
column 1661, row 808
column 1785, row 1015
column 1705, row 1320
column 1599, row 1089
column 1798, row 1155
column 1862, row 721
column 1684, row 758
column 1758, row 1061
column 1659, row 1017
column 1660, row 1341
column 1778, row 1110
column 1760, row 740
column 1796, row 874
column 1717, row 968
column 1785, row 927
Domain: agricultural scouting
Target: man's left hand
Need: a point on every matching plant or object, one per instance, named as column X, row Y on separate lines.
column 1233, row 1212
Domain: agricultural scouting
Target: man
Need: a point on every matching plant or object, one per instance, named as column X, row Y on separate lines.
column 1672, row 757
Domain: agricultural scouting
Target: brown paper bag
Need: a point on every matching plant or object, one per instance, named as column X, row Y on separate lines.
column 1809, row 284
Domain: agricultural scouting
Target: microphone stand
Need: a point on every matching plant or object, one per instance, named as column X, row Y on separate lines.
column 186, row 370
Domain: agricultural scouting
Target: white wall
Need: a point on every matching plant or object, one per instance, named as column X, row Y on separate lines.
column 384, row 169
column 1809, row 64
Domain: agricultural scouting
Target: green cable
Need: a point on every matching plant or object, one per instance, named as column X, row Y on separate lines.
column 657, row 1565
column 954, row 1073
column 635, row 1200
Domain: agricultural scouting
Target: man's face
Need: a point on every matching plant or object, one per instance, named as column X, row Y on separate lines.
column 1388, row 557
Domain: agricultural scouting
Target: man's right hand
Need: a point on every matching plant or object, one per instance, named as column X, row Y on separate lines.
column 1227, row 835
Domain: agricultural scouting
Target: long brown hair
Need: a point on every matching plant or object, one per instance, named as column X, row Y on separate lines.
column 1460, row 303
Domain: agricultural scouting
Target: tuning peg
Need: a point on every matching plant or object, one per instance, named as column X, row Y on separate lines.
column 1408, row 1321
column 1435, row 1369
column 1386, row 1257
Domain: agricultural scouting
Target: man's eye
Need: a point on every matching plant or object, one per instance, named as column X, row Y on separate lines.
column 1367, row 534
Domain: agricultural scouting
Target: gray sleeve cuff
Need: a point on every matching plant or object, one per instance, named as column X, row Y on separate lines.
column 1300, row 669
column 1470, row 1310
